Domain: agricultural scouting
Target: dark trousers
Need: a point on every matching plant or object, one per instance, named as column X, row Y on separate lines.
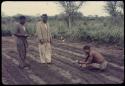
column 21, row 48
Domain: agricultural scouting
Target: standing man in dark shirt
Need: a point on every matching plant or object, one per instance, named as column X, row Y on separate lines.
column 21, row 40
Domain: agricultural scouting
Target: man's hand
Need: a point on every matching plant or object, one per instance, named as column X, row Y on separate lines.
column 82, row 62
column 13, row 36
column 26, row 35
column 41, row 41
column 83, row 65
column 50, row 41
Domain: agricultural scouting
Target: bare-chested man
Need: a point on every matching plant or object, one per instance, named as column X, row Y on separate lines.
column 21, row 40
column 94, row 59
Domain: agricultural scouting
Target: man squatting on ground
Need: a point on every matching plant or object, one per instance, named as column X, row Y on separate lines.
column 94, row 59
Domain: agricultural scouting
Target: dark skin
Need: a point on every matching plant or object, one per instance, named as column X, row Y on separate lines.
column 88, row 58
column 22, row 22
column 44, row 19
column 92, row 54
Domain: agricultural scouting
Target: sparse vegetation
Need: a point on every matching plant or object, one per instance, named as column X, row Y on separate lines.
column 85, row 28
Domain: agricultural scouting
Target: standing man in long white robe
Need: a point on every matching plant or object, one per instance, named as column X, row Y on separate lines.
column 44, row 39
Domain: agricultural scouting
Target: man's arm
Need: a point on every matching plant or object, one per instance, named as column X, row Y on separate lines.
column 17, row 31
column 85, row 61
column 86, row 58
column 89, row 60
column 50, row 38
column 38, row 33
column 27, row 32
column 49, row 32
column 81, row 62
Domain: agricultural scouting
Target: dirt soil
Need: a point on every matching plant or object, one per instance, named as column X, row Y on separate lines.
column 63, row 70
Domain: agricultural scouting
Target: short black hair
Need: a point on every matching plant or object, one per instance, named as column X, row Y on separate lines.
column 44, row 14
column 22, row 17
column 86, row 47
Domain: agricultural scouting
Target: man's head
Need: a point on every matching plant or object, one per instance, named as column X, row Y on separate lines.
column 44, row 18
column 22, row 20
column 86, row 48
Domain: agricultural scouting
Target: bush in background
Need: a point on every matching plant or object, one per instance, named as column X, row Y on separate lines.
column 99, row 30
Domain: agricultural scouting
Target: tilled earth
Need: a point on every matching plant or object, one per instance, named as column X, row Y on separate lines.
column 63, row 70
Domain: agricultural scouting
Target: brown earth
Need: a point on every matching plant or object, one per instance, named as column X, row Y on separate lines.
column 63, row 70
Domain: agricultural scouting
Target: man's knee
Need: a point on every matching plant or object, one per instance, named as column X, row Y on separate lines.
column 93, row 65
column 104, row 65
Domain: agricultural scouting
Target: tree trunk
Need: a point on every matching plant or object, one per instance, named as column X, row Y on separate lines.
column 69, row 22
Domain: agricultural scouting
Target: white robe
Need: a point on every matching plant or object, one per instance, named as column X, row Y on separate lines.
column 44, row 49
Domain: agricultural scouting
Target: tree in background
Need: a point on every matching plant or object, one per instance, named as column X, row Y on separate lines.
column 121, row 8
column 70, row 8
column 113, row 9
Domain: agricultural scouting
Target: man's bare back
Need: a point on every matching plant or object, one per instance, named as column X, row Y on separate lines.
column 94, row 59
column 97, row 57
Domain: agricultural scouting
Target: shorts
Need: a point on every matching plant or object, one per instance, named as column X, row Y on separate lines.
column 101, row 66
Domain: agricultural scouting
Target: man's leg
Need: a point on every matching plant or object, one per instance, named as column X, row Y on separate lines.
column 19, row 57
column 25, row 52
column 21, row 49
column 93, row 66
column 42, row 53
column 48, row 52
column 103, row 65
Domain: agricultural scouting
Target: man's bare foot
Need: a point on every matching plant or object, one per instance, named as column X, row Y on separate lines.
column 43, row 62
column 76, row 61
column 49, row 62
column 83, row 65
column 26, row 68
column 27, row 64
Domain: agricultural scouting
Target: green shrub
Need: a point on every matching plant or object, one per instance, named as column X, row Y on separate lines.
column 101, row 31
